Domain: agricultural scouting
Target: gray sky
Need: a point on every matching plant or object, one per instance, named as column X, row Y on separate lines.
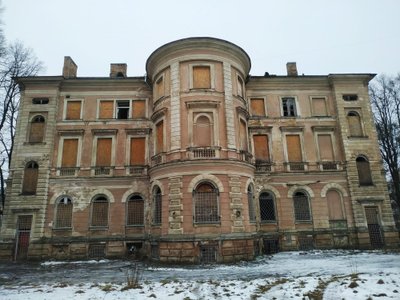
column 334, row 36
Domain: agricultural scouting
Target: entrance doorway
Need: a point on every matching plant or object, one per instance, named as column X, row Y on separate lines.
column 23, row 235
column 374, row 227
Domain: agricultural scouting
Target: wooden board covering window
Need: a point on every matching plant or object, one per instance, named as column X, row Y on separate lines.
column 138, row 147
column 364, row 172
column 294, row 148
column 160, row 137
column 73, row 110
column 334, row 205
column 319, row 106
column 69, row 154
column 36, row 132
column 106, row 109
column 261, row 148
column 103, row 154
column 243, row 136
column 354, row 125
column 325, row 147
column 160, row 87
column 201, row 77
column 30, row 179
column 257, row 107
column 202, row 132
column 138, row 109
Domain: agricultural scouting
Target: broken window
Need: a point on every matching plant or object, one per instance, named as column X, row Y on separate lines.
column 267, row 207
column 31, row 173
column 201, row 77
column 250, row 200
column 135, row 211
column 240, row 87
column 36, row 133
column 350, row 97
column 289, row 107
column 40, row 100
column 157, row 203
column 99, row 212
column 364, row 171
column 301, row 207
column 261, row 148
column 64, row 213
column 160, row 87
column 206, row 208
column 123, row 109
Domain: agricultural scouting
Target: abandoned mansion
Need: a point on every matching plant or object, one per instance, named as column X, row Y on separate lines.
column 197, row 161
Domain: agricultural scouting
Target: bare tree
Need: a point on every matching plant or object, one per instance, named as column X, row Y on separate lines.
column 17, row 61
column 385, row 96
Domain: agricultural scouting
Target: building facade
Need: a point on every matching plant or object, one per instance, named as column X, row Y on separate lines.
column 195, row 162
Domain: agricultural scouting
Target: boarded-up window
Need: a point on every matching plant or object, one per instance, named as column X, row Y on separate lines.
column 319, row 106
column 202, row 132
column 73, row 110
column 157, row 206
column 267, row 207
column 354, row 121
column 364, row 171
column 201, row 77
column 240, row 87
column 206, row 209
column 69, row 154
column 36, row 132
column 301, row 207
column 257, row 107
column 135, row 211
column 325, row 147
column 138, row 109
column 334, row 205
column 244, row 145
column 138, row 147
column 160, row 88
column 64, row 213
column 261, row 148
column 99, row 212
column 106, row 109
column 160, row 137
column 294, row 148
column 31, row 173
column 250, row 200
column 103, row 153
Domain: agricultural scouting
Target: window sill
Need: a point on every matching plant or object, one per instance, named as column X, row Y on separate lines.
column 214, row 224
column 268, row 222
column 63, row 229
column 34, row 143
column 358, row 137
column 98, row 228
column 303, row 222
column 156, row 225
column 27, row 194
column 135, row 226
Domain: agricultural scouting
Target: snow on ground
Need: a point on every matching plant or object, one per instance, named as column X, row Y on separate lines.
column 327, row 275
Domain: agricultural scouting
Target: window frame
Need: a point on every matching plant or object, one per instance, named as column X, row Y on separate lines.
column 327, row 114
column 130, row 199
column 272, row 199
column 357, row 113
column 212, row 75
column 65, row 110
column 264, row 100
column 296, row 213
column 57, row 216
column 40, row 100
column 296, row 107
column 43, row 130
column 116, row 110
column 24, row 186
column 96, row 200
column 215, row 218
column 369, row 181
column 157, row 206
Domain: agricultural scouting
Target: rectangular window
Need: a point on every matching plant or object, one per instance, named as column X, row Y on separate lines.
column 103, row 154
column 160, row 137
column 138, row 148
column 40, row 101
column 261, row 148
column 240, row 87
column 123, row 109
column 138, row 109
column 243, row 136
column 160, row 87
column 319, row 107
column 201, row 77
column 289, row 107
column 257, row 107
column 350, row 97
column 106, row 109
column 294, row 148
column 325, row 147
column 69, row 154
column 73, row 110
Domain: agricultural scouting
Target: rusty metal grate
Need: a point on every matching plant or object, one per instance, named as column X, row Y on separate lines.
column 208, row 254
column 206, row 208
column 155, row 252
column 296, row 166
column 301, row 207
column 97, row 250
column 68, row 171
column 263, row 165
column 136, row 170
column 64, row 213
column 203, row 153
column 306, row 243
column 102, row 171
column 329, row 166
column 135, row 211
column 267, row 207
column 271, row 246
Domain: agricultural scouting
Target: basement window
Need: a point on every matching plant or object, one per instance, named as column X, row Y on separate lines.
column 350, row 97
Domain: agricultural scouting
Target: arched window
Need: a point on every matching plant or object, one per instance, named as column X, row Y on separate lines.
column 135, row 211
column 99, row 216
column 267, row 207
column 364, row 171
column 36, row 132
column 301, row 207
column 250, row 200
column 202, row 134
column 157, row 206
column 354, row 121
column 334, row 200
column 31, row 173
column 206, row 208
column 64, row 213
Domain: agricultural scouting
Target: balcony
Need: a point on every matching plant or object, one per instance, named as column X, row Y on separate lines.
column 203, row 152
column 296, row 166
column 263, row 166
column 328, row 165
column 246, row 156
column 136, row 170
column 67, row 172
column 158, row 159
column 102, row 171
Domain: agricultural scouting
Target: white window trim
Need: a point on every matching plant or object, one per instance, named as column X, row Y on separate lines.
column 61, row 147
column 212, row 74
column 65, row 108
column 298, row 112
column 94, row 149
column 303, row 153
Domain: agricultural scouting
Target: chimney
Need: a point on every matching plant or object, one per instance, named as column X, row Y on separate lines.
column 70, row 68
column 291, row 69
column 118, row 70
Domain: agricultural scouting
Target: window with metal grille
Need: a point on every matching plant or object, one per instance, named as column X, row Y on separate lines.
column 97, row 250
column 36, row 132
column 31, row 173
column 64, row 213
column 206, row 208
column 271, row 245
column 289, row 107
column 301, row 207
column 208, row 254
column 306, row 243
column 250, row 200
column 155, row 251
column 99, row 212
column 364, row 171
column 354, row 122
column 135, row 211
column 157, row 202
column 267, row 207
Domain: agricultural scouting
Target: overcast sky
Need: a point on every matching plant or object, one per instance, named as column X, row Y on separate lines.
column 334, row 36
